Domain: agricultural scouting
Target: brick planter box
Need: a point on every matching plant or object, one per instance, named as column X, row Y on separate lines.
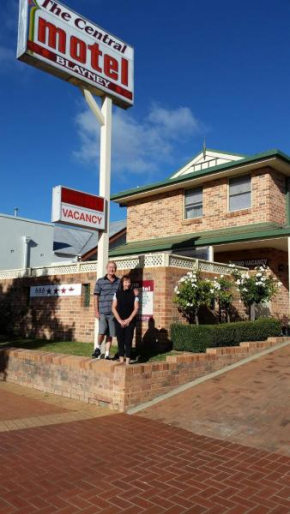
column 110, row 383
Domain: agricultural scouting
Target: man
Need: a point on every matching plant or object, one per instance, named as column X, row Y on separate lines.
column 105, row 289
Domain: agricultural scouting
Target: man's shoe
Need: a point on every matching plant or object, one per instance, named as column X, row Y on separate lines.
column 96, row 354
column 107, row 358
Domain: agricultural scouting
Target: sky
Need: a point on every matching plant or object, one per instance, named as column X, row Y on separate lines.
column 209, row 69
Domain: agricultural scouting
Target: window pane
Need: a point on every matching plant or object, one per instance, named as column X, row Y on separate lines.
column 193, row 212
column 240, row 185
column 242, row 201
column 87, row 294
column 193, row 196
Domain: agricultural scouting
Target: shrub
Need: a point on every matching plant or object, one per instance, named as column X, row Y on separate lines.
column 191, row 293
column 256, row 287
column 197, row 338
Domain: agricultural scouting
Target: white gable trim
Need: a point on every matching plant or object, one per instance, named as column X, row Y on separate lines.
column 203, row 162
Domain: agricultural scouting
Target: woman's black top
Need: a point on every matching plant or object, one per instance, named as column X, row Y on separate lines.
column 125, row 306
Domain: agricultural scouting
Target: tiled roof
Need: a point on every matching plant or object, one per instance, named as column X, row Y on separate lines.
column 71, row 241
column 232, row 234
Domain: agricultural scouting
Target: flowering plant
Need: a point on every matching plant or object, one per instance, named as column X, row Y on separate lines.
column 191, row 293
column 256, row 287
column 223, row 294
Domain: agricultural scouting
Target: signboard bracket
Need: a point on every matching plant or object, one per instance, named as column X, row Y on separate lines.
column 93, row 105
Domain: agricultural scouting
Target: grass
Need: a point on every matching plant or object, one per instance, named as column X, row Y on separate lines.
column 69, row 347
column 75, row 348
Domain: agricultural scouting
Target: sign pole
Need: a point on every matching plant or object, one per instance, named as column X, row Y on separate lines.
column 104, row 117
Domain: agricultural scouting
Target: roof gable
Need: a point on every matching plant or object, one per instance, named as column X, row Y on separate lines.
column 206, row 159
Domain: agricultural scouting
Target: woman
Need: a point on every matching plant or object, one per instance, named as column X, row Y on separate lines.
column 125, row 307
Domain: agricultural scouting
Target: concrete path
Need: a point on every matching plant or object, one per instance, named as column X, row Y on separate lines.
column 74, row 458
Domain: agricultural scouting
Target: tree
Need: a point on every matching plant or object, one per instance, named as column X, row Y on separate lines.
column 256, row 287
column 223, row 295
column 191, row 293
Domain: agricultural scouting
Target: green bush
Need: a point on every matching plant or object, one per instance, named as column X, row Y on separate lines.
column 197, row 338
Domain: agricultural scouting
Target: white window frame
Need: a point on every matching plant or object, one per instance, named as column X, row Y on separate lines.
column 230, row 196
column 193, row 204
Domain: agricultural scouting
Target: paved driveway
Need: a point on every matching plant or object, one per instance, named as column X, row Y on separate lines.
column 249, row 405
column 58, row 456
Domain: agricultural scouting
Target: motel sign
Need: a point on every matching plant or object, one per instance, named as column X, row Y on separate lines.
column 55, row 39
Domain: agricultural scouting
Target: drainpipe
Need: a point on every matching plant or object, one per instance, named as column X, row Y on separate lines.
column 26, row 241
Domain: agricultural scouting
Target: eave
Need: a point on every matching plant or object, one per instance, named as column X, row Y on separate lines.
column 273, row 158
column 246, row 233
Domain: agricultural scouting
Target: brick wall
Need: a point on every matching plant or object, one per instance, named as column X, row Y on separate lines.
column 52, row 318
column 163, row 215
column 67, row 318
column 145, row 382
column 118, row 386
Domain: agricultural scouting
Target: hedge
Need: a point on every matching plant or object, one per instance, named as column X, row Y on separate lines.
column 197, row 338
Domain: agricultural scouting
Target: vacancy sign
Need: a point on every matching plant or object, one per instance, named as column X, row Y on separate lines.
column 56, row 39
column 77, row 208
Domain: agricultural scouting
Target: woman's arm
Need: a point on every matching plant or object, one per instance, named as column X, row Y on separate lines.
column 115, row 312
column 134, row 312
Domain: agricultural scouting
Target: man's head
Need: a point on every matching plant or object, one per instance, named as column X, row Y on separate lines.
column 111, row 268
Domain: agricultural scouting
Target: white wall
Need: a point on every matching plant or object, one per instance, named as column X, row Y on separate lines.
column 40, row 249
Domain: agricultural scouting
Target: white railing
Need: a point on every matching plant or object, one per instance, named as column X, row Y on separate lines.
column 153, row 260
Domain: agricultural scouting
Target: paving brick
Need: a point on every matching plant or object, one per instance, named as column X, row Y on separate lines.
column 134, row 464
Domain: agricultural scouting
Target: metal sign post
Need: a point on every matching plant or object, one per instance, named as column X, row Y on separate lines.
column 104, row 117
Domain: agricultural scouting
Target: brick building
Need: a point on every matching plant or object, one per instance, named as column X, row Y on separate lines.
column 224, row 207
column 216, row 209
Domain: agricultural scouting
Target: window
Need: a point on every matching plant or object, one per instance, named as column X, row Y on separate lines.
column 240, row 193
column 87, row 294
column 193, row 203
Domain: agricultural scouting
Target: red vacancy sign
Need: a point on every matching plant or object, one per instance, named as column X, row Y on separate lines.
column 77, row 208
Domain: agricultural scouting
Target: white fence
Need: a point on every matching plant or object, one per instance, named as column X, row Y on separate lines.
column 153, row 260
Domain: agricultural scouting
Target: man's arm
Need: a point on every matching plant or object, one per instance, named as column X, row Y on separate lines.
column 97, row 292
column 96, row 305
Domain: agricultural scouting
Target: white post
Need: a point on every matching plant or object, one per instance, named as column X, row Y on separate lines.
column 105, row 188
column 211, row 253
column 104, row 117
column 288, row 274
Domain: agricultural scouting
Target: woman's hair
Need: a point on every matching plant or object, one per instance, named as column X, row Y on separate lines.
column 125, row 277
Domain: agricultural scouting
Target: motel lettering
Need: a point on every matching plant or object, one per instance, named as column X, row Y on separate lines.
column 82, row 24
column 56, row 38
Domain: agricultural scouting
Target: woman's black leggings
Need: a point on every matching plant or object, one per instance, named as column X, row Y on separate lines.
column 125, row 338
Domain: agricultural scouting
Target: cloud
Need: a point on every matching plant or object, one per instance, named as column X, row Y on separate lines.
column 138, row 146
